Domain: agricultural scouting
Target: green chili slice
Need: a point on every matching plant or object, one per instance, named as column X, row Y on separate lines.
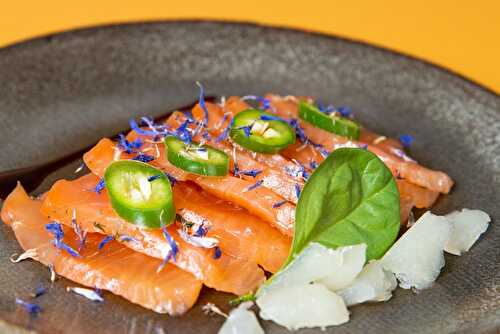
column 261, row 132
column 140, row 193
column 196, row 158
column 331, row 123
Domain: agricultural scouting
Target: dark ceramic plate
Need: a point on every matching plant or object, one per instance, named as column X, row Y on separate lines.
column 60, row 94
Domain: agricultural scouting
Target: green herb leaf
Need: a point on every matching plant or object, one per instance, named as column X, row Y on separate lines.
column 350, row 199
column 245, row 298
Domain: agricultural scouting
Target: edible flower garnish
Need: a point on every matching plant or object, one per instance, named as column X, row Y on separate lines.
column 104, row 241
column 82, row 235
column 224, row 133
column 198, row 241
column 143, row 157
column 31, row 308
column 265, row 103
column 250, row 172
column 39, row 291
column 217, row 252
column 154, row 177
column 154, row 130
column 172, row 252
column 127, row 146
column 313, row 165
column 406, row 140
column 402, row 155
column 271, row 118
column 99, row 186
column 93, row 295
column 344, row 111
column 297, row 190
column 246, row 129
column 171, row 178
column 278, row 204
column 126, row 238
column 253, row 186
column 80, row 168
column 57, row 231
column 201, row 102
column 182, row 132
column 294, row 123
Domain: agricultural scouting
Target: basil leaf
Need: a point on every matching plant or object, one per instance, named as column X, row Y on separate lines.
column 350, row 199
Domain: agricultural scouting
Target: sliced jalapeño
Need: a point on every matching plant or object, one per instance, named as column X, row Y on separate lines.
column 332, row 123
column 261, row 132
column 140, row 193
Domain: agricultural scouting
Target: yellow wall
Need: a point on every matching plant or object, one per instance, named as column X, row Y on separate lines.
column 461, row 35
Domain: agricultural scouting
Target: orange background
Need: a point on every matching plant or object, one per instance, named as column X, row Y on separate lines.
column 461, row 35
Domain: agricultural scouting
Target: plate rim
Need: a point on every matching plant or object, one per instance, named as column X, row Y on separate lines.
column 68, row 33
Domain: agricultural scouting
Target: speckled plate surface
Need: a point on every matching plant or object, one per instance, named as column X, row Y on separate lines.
column 62, row 93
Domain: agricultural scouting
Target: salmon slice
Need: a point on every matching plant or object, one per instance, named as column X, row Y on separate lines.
column 423, row 198
column 282, row 180
column 171, row 291
column 94, row 213
column 252, row 196
column 413, row 172
column 240, row 234
column 383, row 142
column 406, row 204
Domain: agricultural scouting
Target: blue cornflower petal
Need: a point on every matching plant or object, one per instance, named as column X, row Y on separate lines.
column 127, row 146
column 406, row 140
column 217, row 252
column 297, row 190
column 99, row 186
column 278, row 204
column 68, row 249
column 104, row 242
column 143, row 157
column 344, row 111
column 29, row 307
column 39, row 291
column 250, row 172
column 154, row 177
column 246, row 129
column 225, row 133
column 171, row 178
column 174, row 249
column 202, row 104
column 270, row 118
column 255, row 185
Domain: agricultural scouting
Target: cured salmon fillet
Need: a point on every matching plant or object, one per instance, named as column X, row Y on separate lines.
column 406, row 204
column 282, row 181
column 421, row 197
column 413, row 172
column 240, row 233
column 115, row 268
column 93, row 212
column 259, row 201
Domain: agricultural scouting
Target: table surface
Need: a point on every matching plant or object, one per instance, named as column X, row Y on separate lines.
column 463, row 36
